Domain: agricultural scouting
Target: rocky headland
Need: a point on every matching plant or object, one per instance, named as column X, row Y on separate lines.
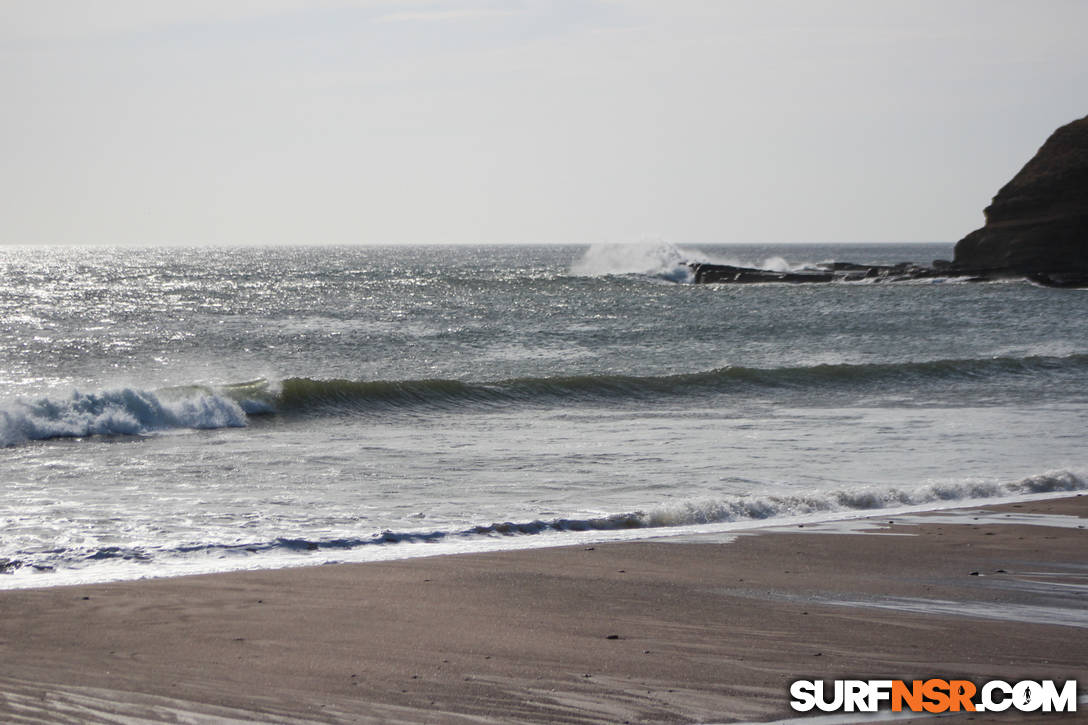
column 1037, row 225
column 1036, row 228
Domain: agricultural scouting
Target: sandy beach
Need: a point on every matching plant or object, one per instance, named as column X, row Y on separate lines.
column 656, row 631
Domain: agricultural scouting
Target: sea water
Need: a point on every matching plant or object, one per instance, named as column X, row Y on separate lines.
column 176, row 410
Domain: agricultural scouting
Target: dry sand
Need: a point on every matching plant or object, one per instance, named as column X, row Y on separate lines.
column 644, row 632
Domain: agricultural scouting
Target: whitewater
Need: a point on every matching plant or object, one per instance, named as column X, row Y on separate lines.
column 183, row 410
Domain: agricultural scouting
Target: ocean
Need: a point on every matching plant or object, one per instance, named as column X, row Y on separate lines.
column 168, row 411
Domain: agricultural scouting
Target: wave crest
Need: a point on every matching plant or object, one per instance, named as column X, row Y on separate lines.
column 304, row 395
column 120, row 412
column 137, row 412
column 738, row 509
column 772, row 506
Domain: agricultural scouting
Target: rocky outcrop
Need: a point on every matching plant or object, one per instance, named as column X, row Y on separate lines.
column 1037, row 225
column 704, row 273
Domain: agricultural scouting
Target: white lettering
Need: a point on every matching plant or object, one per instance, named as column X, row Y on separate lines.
column 829, row 705
column 855, row 696
column 803, row 693
column 1064, row 701
column 879, row 691
column 1027, row 696
column 989, row 704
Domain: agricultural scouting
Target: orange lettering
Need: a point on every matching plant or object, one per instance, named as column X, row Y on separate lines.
column 961, row 692
column 937, row 692
column 912, row 696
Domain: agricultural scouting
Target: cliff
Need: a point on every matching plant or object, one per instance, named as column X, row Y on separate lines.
column 1038, row 222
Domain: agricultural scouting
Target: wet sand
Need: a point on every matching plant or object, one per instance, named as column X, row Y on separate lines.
column 647, row 632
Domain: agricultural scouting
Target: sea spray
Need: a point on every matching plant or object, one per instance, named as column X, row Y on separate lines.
column 663, row 260
column 119, row 412
column 653, row 259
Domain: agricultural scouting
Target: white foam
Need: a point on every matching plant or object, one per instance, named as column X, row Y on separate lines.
column 656, row 258
column 778, row 264
column 744, row 508
column 126, row 411
column 125, row 569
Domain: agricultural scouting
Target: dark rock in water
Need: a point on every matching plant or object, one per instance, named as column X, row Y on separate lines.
column 748, row 275
column 1073, row 280
column 1038, row 222
column 829, row 272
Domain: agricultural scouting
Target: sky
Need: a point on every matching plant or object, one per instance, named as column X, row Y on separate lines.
column 524, row 121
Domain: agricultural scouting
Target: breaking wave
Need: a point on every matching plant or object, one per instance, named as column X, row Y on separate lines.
column 121, row 412
column 654, row 259
column 736, row 509
column 140, row 412
column 864, row 499
column 663, row 260
column 304, row 395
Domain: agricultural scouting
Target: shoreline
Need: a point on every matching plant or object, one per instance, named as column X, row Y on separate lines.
column 455, row 543
column 653, row 630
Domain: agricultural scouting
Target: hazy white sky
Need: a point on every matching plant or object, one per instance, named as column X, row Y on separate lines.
column 388, row 121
